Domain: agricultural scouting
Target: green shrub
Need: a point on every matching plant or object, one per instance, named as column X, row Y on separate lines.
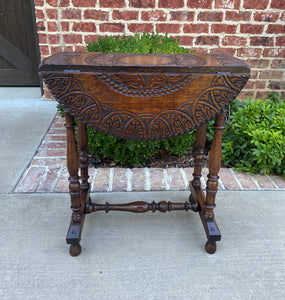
column 127, row 152
column 254, row 139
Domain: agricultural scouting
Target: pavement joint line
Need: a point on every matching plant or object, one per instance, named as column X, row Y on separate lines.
column 166, row 179
column 184, row 178
column 147, row 179
column 129, row 182
column 111, row 178
column 272, row 182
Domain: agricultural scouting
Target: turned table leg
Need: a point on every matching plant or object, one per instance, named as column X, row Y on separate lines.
column 74, row 232
column 212, row 230
column 83, row 164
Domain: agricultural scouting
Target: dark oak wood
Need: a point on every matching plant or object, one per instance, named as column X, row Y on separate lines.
column 144, row 97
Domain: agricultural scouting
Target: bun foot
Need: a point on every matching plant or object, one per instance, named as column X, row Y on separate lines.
column 75, row 249
column 210, row 247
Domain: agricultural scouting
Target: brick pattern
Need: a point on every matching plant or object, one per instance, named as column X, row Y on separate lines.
column 251, row 30
column 47, row 173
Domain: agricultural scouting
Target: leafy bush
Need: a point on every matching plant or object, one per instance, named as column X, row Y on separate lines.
column 254, row 139
column 127, row 152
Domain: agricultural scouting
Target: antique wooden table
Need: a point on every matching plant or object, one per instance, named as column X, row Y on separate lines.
column 143, row 97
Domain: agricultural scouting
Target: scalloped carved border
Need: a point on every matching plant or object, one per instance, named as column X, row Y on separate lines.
column 125, row 124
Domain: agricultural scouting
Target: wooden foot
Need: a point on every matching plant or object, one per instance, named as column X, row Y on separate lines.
column 210, row 247
column 75, row 249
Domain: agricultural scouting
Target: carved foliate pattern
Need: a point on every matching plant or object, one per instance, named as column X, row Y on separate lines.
column 145, row 126
column 117, row 59
column 146, row 85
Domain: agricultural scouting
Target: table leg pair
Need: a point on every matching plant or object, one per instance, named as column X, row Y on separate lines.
column 79, row 187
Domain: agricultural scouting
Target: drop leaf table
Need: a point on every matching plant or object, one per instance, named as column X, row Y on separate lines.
column 143, row 97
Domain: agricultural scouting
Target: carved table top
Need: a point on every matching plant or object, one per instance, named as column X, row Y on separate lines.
column 144, row 97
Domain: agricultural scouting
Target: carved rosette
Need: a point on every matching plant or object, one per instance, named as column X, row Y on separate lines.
column 145, row 126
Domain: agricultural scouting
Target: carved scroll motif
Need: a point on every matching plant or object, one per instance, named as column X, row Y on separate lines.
column 103, row 117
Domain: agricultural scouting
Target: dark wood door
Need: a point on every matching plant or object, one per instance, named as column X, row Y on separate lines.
column 19, row 58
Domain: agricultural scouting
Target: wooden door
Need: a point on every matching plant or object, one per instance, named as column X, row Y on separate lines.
column 19, row 58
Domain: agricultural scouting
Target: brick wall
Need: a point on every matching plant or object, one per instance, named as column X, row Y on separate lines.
column 251, row 30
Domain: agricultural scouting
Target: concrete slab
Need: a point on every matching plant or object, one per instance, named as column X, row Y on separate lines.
column 23, row 123
column 20, row 92
column 147, row 256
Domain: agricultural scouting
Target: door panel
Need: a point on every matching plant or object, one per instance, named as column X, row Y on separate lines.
column 18, row 49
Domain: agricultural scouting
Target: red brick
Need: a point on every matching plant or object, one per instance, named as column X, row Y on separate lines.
column 44, row 50
column 261, row 41
column 53, row 145
column 79, row 48
column 64, row 3
column 63, row 183
column 182, row 16
column 199, row 3
column 228, row 179
column 52, row 2
column 48, row 182
column 52, row 26
column 207, row 40
column 274, row 52
column 275, row 29
column 125, row 15
column 196, row 28
column 157, row 180
column 276, row 85
column 140, row 27
column 55, row 49
column 266, row 16
column 229, row 4
column 280, row 41
column 175, row 179
column 186, row 40
column 258, row 63
column 39, row 2
column 71, row 14
column 278, row 64
column 52, row 13
column 120, row 181
column 253, row 85
column 228, row 51
column 72, row 38
column 271, row 74
column 40, row 26
column 282, row 17
column 30, row 181
column 53, row 39
column 232, row 40
column 253, row 29
column 96, row 15
column 238, row 16
column 188, row 173
column 84, row 27
column 169, row 28
column 249, row 52
column 261, row 4
column 112, row 27
column 278, row 180
column 138, row 179
column 279, row 4
column 245, row 94
column 245, row 180
column 211, row 16
column 49, row 162
column 42, row 38
column 263, row 181
column 64, row 26
column 39, row 14
column 219, row 28
column 101, row 183
column 171, row 3
column 112, row 3
column 90, row 38
column 156, row 15
column 142, row 3
column 84, row 3
column 55, row 138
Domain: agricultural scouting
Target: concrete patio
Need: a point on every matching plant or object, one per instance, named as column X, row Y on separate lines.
column 128, row 256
